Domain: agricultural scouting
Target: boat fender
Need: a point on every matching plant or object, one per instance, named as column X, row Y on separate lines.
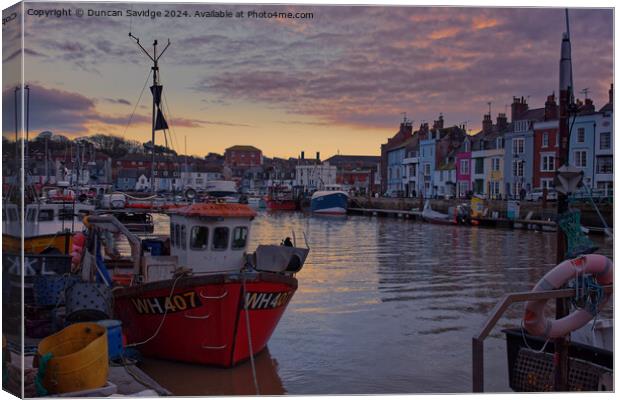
column 534, row 320
column 77, row 248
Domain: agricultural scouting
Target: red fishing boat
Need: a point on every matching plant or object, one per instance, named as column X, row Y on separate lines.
column 196, row 295
column 276, row 204
column 207, row 300
column 281, row 199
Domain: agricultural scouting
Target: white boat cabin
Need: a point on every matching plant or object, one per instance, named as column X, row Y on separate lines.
column 52, row 218
column 10, row 220
column 211, row 237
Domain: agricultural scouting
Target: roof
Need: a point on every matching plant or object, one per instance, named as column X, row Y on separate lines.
column 353, row 158
column 216, row 210
column 609, row 107
column 242, row 148
column 128, row 173
column 534, row 114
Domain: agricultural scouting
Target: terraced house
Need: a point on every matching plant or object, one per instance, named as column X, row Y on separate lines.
column 519, row 148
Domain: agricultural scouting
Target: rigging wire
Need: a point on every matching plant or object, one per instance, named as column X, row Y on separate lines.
column 137, row 103
column 167, row 111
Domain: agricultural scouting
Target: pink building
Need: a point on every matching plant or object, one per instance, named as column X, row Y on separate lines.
column 463, row 169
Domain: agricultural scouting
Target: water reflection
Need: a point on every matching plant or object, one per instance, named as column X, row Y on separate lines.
column 386, row 306
column 184, row 379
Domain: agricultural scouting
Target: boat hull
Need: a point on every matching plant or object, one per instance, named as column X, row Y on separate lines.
column 60, row 242
column 439, row 221
column 205, row 321
column 331, row 203
column 281, row 205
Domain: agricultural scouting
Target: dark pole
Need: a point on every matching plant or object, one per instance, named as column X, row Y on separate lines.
column 27, row 126
column 156, row 98
column 566, row 100
column 16, row 126
column 155, row 69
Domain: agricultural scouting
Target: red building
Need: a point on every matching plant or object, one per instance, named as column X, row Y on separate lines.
column 356, row 173
column 243, row 156
column 546, row 146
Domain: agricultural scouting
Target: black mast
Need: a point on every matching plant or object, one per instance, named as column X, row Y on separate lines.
column 566, row 107
column 158, row 122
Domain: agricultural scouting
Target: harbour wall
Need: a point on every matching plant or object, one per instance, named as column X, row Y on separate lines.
column 589, row 216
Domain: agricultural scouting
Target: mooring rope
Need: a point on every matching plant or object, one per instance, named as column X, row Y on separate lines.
column 163, row 317
column 249, row 333
column 542, row 349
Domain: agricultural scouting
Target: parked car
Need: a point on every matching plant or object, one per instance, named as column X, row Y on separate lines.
column 537, row 195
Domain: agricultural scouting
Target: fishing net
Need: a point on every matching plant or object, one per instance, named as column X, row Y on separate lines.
column 577, row 243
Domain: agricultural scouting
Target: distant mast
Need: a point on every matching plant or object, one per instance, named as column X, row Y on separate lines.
column 158, row 122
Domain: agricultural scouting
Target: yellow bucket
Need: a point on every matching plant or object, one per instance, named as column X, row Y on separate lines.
column 79, row 358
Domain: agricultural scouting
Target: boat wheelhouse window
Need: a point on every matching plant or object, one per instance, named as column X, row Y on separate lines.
column 177, row 234
column 64, row 215
column 199, row 238
column 172, row 241
column 240, row 236
column 46, row 215
column 220, row 238
column 31, row 215
column 183, row 237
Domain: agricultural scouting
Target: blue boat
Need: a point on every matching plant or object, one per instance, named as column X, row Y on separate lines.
column 329, row 202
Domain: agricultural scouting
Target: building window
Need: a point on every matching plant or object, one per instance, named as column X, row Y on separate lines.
column 464, row 167
column 463, row 188
column 581, row 135
column 545, row 139
column 220, row 238
column 427, row 169
column 605, row 165
column 581, row 159
column 479, row 186
column 199, row 238
column 499, row 143
column 605, row 141
column 607, row 188
column 495, row 164
column 547, row 163
column 240, row 236
column 517, row 168
column 517, row 146
column 546, row 183
column 479, row 166
column 495, row 188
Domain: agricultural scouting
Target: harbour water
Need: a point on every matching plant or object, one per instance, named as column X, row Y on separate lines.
column 384, row 306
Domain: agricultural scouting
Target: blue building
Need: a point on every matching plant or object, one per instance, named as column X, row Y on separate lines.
column 126, row 180
column 427, row 166
column 396, row 170
column 583, row 142
column 519, row 148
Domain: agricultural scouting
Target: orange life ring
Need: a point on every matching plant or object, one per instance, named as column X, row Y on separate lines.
column 534, row 320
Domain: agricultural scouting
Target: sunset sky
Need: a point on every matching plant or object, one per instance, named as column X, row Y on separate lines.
column 337, row 82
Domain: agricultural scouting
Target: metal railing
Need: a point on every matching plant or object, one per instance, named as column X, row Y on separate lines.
column 496, row 313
